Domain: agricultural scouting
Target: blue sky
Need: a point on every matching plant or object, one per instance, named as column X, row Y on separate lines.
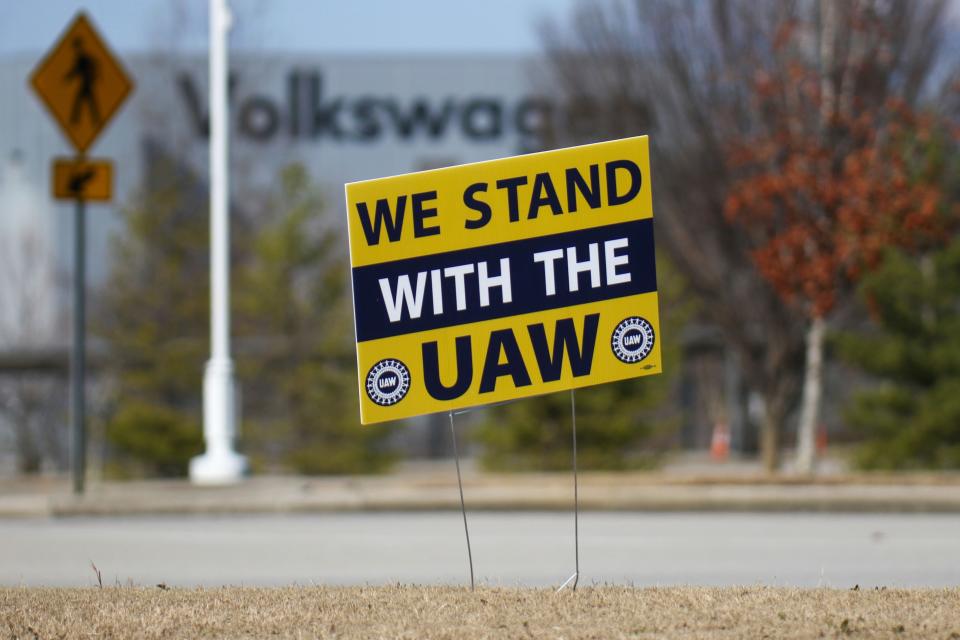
column 374, row 26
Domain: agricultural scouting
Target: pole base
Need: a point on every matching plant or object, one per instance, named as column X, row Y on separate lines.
column 226, row 467
column 220, row 464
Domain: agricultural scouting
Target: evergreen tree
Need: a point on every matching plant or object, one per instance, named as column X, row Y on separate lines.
column 294, row 300
column 291, row 322
column 912, row 420
column 152, row 317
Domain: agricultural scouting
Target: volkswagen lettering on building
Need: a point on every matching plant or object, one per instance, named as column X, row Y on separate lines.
column 311, row 110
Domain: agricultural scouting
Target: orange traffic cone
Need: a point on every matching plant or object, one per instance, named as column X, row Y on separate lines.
column 720, row 442
column 821, row 440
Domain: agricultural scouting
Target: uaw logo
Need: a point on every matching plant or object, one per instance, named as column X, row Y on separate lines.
column 632, row 340
column 388, row 382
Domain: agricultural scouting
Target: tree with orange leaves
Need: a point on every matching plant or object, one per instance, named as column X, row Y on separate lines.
column 765, row 92
column 827, row 181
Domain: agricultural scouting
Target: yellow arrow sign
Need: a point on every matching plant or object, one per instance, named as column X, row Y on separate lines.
column 82, row 179
column 81, row 82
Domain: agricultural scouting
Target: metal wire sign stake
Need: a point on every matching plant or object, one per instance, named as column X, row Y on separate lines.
column 575, row 577
column 576, row 502
column 463, row 505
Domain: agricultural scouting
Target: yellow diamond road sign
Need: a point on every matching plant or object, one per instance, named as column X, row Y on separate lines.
column 81, row 82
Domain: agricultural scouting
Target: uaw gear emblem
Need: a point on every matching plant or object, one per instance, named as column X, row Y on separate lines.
column 632, row 340
column 388, row 382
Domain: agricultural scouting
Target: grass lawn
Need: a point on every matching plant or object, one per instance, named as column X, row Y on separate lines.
column 456, row 613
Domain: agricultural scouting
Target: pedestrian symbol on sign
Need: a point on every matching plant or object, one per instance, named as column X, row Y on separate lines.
column 84, row 74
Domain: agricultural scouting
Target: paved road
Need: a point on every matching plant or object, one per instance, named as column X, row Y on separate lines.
column 508, row 549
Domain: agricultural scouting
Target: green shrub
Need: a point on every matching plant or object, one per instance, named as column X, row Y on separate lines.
column 912, row 420
column 157, row 439
column 617, row 423
column 535, row 433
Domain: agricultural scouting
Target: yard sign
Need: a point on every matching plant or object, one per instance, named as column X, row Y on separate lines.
column 504, row 279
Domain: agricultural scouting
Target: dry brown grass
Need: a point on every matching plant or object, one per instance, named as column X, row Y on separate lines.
column 456, row 613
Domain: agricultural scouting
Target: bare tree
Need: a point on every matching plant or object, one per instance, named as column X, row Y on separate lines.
column 31, row 397
column 695, row 65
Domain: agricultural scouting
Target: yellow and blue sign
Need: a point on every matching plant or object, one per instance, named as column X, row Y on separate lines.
column 503, row 279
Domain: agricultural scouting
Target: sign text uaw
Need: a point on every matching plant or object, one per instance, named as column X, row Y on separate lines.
column 503, row 279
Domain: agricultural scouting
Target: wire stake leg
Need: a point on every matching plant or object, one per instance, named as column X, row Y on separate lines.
column 576, row 501
column 463, row 505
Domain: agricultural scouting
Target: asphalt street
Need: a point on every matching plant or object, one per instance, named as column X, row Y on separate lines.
column 509, row 548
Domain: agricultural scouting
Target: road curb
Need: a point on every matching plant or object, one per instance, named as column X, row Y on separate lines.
column 521, row 492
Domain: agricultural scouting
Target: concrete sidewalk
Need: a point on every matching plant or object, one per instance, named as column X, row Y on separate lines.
column 436, row 489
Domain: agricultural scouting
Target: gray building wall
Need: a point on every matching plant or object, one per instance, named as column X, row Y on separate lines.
column 349, row 118
column 344, row 118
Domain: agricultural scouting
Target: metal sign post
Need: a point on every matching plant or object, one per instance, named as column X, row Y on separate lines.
column 82, row 85
column 78, row 409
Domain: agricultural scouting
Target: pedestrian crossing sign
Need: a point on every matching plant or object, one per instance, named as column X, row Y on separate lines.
column 81, row 82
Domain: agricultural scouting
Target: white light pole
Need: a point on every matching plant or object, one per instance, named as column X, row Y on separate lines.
column 220, row 464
